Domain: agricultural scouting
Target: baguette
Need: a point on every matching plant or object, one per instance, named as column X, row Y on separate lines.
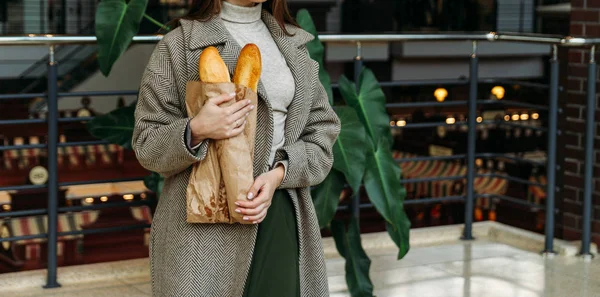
column 236, row 154
column 206, row 196
column 211, row 67
column 249, row 67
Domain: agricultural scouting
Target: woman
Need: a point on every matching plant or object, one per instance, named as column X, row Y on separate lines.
column 281, row 253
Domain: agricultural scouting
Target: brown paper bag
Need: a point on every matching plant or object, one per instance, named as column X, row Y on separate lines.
column 226, row 174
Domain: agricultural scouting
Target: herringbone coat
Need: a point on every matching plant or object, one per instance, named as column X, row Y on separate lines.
column 213, row 260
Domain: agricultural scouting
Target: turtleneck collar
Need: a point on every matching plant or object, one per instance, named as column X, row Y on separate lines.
column 240, row 14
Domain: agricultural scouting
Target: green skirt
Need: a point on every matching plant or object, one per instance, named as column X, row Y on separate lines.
column 274, row 271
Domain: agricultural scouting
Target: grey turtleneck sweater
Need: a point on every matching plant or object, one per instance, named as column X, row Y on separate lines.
column 246, row 26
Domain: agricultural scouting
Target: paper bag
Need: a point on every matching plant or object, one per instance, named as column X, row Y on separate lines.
column 226, row 174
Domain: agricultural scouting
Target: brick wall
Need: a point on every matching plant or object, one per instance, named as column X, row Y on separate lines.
column 585, row 22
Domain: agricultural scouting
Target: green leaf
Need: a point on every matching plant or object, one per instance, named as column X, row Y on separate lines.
column 316, row 49
column 369, row 104
column 349, row 150
column 400, row 235
column 116, row 24
column 115, row 127
column 358, row 263
column 154, row 182
column 326, row 197
column 382, row 182
column 157, row 23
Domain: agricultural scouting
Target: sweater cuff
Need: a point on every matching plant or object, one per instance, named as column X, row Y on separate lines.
column 283, row 163
column 197, row 149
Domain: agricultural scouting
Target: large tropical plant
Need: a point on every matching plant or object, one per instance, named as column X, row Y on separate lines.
column 363, row 156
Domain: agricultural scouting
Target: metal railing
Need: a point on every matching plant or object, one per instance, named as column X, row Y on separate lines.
column 52, row 95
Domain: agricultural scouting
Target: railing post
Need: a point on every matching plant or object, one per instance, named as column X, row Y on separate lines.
column 551, row 163
column 52, row 169
column 472, row 122
column 358, row 65
column 522, row 16
column 589, row 155
column 42, row 17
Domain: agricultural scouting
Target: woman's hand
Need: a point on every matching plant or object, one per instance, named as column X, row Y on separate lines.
column 216, row 122
column 261, row 195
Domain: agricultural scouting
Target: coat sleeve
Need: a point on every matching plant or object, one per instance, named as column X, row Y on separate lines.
column 309, row 160
column 159, row 135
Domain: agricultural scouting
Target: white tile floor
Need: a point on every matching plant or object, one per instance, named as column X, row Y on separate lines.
column 475, row 269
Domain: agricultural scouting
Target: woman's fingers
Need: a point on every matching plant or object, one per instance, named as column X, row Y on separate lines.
column 238, row 130
column 252, row 204
column 237, row 106
column 259, row 183
column 259, row 199
column 221, row 98
column 257, row 218
column 252, row 211
column 242, row 113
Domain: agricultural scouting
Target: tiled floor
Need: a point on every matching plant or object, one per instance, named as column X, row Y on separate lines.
column 475, row 269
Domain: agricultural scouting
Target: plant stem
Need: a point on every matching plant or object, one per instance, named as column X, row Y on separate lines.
column 154, row 21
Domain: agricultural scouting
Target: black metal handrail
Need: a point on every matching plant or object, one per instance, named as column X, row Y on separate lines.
column 568, row 41
column 52, row 120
